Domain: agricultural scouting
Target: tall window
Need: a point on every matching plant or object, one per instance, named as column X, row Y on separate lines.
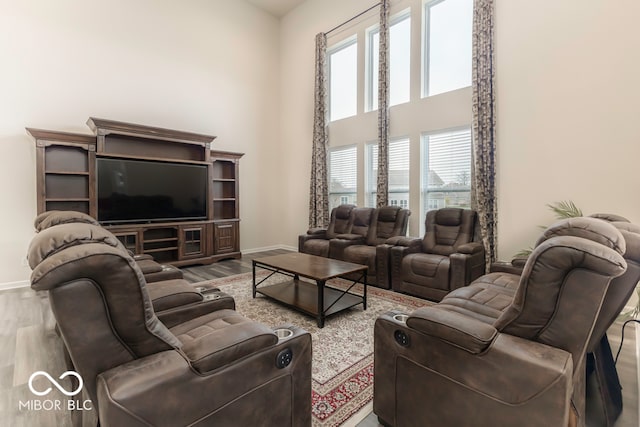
column 342, row 176
column 447, row 45
column 399, row 62
column 446, row 170
column 343, row 80
column 398, row 173
column 439, row 143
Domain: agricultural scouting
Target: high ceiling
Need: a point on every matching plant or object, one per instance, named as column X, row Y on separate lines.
column 277, row 8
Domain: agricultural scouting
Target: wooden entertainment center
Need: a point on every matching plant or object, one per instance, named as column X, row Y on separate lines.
column 66, row 168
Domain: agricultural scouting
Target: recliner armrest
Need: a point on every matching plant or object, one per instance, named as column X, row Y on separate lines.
column 351, row 238
column 528, row 380
column 470, row 248
column 516, row 266
column 140, row 257
column 519, row 261
column 505, row 267
column 219, row 348
column 403, row 241
column 164, row 390
column 317, row 232
column 314, row 233
column 341, row 242
column 457, row 329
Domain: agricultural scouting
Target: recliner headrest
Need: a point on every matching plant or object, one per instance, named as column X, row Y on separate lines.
column 49, row 219
column 631, row 234
column 588, row 228
column 388, row 213
column 449, row 216
column 343, row 211
column 362, row 217
column 54, row 239
column 41, row 217
column 609, row 217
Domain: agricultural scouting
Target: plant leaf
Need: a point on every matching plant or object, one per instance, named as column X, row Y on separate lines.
column 523, row 253
column 565, row 209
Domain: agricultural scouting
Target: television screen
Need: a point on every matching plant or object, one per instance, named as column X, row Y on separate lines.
column 147, row 191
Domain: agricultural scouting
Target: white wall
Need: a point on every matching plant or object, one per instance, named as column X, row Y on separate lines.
column 568, row 108
column 567, row 96
column 567, row 100
column 210, row 67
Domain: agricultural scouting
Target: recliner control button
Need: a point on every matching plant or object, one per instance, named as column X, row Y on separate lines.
column 284, row 358
column 401, row 338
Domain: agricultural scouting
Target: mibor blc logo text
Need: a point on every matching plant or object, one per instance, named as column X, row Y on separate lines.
column 54, row 404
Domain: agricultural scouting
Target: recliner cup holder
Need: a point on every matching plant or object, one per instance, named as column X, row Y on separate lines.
column 210, row 296
column 400, row 318
column 283, row 333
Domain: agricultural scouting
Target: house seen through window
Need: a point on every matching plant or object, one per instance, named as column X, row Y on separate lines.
column 342, row 176
column 446, row 170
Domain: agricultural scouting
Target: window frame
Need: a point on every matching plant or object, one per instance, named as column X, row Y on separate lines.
column 342, row 45
column 425, row 43
column 369, row 96
column 371, row 179
column 424, row 168
column 342, row 195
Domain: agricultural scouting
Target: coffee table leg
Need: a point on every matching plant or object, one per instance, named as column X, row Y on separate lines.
column 320, row 285
column 253, row 286
column 364, row 298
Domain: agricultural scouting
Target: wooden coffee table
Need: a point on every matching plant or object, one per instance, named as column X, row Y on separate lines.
column 318, row 300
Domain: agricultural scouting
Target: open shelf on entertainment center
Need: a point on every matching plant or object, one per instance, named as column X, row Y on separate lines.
column 68, row 179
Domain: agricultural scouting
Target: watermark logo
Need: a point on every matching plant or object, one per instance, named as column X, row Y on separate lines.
column 54, row 404
column 55, row 383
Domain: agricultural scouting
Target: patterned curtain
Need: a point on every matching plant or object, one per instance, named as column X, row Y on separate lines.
column 484, row 125
column 319, row 192
column 382, row 197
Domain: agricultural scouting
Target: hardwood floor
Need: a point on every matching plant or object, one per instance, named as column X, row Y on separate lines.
column 28, row 343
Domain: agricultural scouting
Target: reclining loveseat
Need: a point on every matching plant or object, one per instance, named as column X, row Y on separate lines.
column 356, row 235
column 503, row 350
column 216, row 369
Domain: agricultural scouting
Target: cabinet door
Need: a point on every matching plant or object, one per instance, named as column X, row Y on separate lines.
column 130, row 239
column 225, row 237
column 193, row 241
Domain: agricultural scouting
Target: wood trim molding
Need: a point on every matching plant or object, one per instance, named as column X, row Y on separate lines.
column 103, row 127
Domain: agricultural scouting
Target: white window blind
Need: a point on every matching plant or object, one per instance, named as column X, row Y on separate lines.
column 398, row 173
column 343, row 176
column 446, row 170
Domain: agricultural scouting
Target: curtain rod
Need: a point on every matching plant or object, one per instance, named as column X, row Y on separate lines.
column 351, row 19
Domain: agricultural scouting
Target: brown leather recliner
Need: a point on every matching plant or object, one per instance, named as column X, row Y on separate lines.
column 599, row 357
column 152, row 270
column 217, row 369
column 600, row 360
column 174, row 299
column 316, row 240
column 446, row 258
column 447, row 366
column 360, row 248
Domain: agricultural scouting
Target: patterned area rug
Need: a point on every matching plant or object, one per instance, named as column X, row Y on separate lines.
column 342, row 376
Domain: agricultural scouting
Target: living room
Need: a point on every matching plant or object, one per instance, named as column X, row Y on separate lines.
column 565, row 95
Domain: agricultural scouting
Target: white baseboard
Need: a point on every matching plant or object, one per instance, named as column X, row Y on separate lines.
column 269, row 248
column 14, row 285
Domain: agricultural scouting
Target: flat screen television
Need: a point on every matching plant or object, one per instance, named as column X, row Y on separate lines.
column 139, row 191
